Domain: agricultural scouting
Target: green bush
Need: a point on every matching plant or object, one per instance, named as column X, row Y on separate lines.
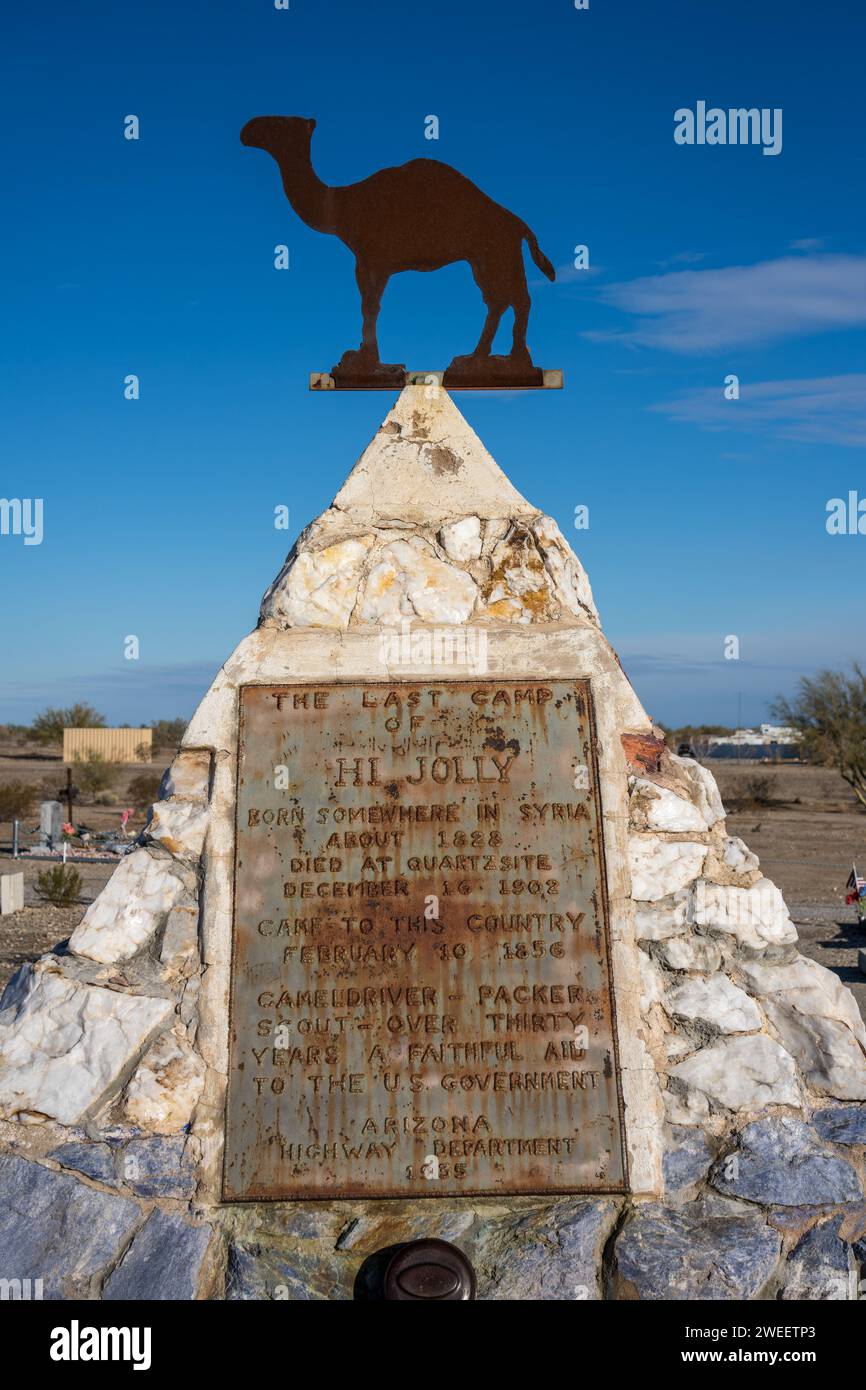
column 48, row 726
column 167, row 733
column 16, row 800
column 829, row 712
column 60, row 885
column 93, row 774
column 759, row 789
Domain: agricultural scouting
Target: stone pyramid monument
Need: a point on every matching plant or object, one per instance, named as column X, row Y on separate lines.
column 740, row 1064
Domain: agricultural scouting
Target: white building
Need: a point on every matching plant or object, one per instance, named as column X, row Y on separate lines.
column 766, row 741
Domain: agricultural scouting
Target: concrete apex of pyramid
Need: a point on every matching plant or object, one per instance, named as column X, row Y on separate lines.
column 427, row 527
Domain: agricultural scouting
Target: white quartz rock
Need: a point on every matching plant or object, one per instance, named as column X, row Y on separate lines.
column 756, row 916
column 691, row 1109
column 830, row 1057
column 809, row 988
column 660, row 867
column 461, row 540
column 179, row 951
column 179, row 819
column 651, row 983
column 520, row 588
column 164, row 1091
column 407, row 579
column 703, row 789
column 570, row 582
column 66, row 1046
column 739, row 857
column 742, row 1073
column 188, row 776
column 319, row 588
column 818, row 1020
column 132, row 906
column 180, row 826
column 692, row 953
column 660, row 920
column 716, row 1001
column 495, row 529
column 663, row 809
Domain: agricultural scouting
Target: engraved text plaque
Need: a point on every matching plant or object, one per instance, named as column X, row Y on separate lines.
column 421, row 992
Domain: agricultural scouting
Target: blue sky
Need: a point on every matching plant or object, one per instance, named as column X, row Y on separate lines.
column 155, row 257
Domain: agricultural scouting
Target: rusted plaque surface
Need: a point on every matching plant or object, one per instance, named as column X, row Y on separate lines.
column 421, row 995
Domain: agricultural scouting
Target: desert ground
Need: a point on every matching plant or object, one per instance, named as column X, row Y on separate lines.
column 801, row 821
column 26, row 934
column 806, row 829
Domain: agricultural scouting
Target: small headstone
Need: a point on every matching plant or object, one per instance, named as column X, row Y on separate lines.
column 11, row 893
column 50, row 822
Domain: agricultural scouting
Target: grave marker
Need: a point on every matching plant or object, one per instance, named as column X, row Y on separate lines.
column 421, row 997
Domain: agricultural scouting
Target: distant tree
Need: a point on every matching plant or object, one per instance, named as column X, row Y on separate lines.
column 48, row 726
column 697, row 736
column 167, row 733
column 94, row 774
column 829, row 710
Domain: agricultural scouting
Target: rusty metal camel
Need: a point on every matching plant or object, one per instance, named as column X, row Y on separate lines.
column 417, row 216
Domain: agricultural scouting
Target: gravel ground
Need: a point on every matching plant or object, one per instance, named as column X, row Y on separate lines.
column 834, row 941
column 32, row 932
column 39, row 926
column 808, row 848
column 27, row 934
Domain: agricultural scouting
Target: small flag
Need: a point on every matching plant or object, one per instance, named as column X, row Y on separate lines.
column 856, row 887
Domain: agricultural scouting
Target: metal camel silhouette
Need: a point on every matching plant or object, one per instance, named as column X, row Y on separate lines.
column 417, row 216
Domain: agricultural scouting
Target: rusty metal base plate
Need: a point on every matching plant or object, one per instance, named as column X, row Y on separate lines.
column 535, row 379
column 421, row 992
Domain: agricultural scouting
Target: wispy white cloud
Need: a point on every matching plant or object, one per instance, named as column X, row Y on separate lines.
column 566, row 274
column 824, row 410
column 683, row 258
column 705, row 311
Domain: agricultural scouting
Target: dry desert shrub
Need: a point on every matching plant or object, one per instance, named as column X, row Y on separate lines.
column 16, row 800
column 93, row 774
column 759, row 789
column 59, row 885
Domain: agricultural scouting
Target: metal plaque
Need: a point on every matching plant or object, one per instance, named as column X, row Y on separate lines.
column 421, row 992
